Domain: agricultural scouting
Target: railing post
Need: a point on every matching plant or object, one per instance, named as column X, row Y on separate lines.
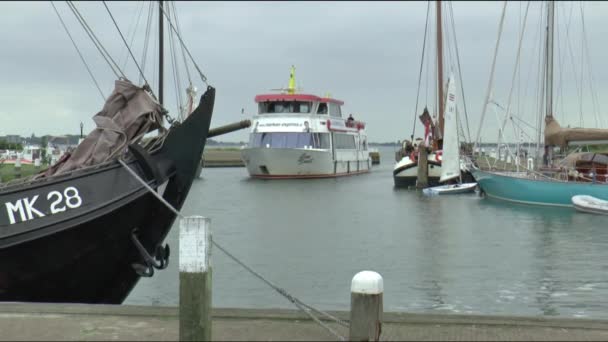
column 366, row 308
column 194, row 279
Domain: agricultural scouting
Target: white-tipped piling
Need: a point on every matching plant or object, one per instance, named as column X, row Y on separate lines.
column 366, row 306
column 194, row 279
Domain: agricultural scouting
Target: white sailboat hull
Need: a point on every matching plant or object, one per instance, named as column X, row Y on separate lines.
column 450, row 189
column 590, row 204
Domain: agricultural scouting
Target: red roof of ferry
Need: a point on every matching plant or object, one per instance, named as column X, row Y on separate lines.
column 292, row 97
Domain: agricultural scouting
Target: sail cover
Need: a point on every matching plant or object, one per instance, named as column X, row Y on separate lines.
column 128, row 114
column 450, row 162
column 557, row 136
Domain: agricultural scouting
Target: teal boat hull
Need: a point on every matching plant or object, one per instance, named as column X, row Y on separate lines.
column 536, row 191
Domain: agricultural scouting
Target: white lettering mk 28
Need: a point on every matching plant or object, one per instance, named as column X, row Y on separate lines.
column 60, row 202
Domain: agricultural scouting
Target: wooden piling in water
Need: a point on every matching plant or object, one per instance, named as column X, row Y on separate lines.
column 366, row 306
column 194, row 279
column 422, row 179
column 375, row 156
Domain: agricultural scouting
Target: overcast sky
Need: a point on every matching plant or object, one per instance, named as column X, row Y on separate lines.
column 364, row 53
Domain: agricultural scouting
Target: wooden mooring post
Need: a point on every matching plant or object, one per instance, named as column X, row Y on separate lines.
column 366, row 306
column 422, row 178
column 194, row 279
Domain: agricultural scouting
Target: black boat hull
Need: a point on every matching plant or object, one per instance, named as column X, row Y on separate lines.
column 410, row 182
column 69, row 239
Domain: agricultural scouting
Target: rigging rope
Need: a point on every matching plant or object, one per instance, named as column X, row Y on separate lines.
column 146, row 39
column 428, row 8
column 490, row 82
column 79, row 53
column 176, row 78
column 203, row 77
column 518, row 57
column 594, row 99
column 578, row 90
column 134, row 27
column 190, row 89
column 298, row 303
column 127, row 45
column 464, row 102
column 179, row 32
column 96, row 41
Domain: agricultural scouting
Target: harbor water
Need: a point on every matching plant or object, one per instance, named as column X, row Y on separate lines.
column 442, row 254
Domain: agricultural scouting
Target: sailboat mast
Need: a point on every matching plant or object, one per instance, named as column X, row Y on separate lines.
column 549, row 64
column 160, row 52
column 439, row 67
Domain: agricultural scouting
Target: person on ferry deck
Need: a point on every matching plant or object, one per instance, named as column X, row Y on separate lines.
column 350, row 118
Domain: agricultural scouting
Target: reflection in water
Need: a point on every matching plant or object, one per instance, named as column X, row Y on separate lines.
column 542, row 222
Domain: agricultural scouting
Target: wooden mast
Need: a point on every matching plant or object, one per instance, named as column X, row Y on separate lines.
column 549, row 64
column 440, row 99
column 548, row 154
column 160, row 53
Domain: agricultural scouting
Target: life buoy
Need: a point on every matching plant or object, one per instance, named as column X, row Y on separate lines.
column 438, row 154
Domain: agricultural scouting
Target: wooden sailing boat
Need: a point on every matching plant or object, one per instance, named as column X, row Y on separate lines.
column 550, row 185
column 451, row 164
column 406, row 171
column 88, row 234
column 414, row 167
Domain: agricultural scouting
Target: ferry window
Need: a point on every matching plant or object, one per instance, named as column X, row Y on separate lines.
column 282, row 140
column 344, row 141
column 272, row 107
column 322, row 108
column 280, row 107
column 334, row 110
column 321, row 140
column 305, row 107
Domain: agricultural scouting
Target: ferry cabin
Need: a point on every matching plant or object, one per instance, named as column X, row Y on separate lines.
column 304, row 136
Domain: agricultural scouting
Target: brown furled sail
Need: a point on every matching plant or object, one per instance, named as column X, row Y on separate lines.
column 555, row 135
column 128, row 114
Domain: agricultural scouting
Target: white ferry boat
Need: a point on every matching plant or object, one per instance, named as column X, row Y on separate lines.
column 304, row 136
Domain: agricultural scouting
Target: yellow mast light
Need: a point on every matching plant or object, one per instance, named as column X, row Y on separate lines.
column 291, row 89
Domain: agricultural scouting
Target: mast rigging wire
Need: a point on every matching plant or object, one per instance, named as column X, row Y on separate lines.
column 79, row 53
column 203, row 77
column 428, row 8
column 146, row 39
column 96, row 41
column 127, row 45
column 464, row 102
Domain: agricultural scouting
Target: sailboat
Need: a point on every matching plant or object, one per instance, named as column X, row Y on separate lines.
column 577, row 174
column 89, row 228
column 406, row 169
column 451, row 163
